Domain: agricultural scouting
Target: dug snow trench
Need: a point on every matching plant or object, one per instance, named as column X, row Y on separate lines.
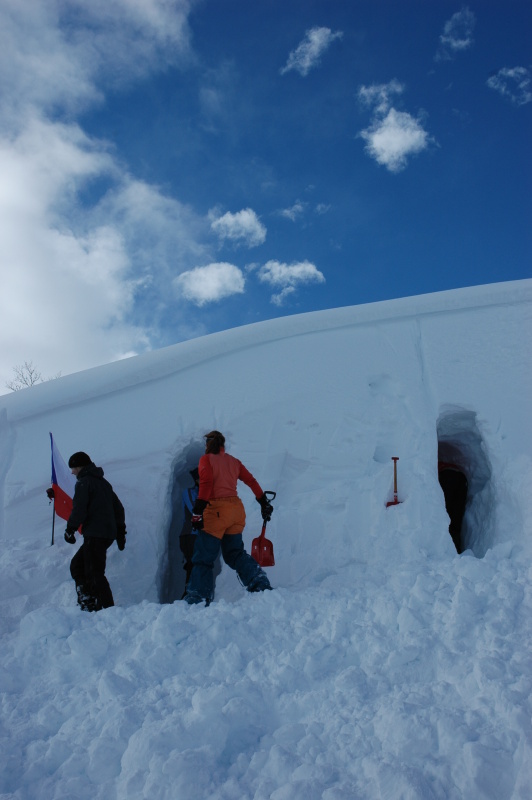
column 460, row 442
column 171, row 579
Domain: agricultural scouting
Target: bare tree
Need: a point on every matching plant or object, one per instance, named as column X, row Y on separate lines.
column 24, row 375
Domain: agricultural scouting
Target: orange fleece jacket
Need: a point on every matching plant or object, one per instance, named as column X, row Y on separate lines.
column 219, row 474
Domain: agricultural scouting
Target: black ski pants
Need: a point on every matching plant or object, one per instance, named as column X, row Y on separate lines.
column 88, row 570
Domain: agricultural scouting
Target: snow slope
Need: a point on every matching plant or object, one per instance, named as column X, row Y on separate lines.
column 384, row 665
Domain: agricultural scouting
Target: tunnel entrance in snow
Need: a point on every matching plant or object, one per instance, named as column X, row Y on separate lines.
column 464, row 472
column 172, row 576
column 171, row 568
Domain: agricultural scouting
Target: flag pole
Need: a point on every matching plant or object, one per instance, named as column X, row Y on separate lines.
column 53, row 524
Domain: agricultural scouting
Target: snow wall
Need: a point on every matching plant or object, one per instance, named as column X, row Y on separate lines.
column 315, row 405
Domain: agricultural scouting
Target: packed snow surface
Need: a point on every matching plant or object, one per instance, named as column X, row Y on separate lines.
column 383, row 665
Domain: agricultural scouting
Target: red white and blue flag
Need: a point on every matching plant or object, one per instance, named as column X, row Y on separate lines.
column 63, row 483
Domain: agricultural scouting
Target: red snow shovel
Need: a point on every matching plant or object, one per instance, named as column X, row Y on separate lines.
column 261, row 547
column 395, row 501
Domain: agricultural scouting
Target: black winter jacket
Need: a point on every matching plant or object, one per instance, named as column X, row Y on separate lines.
column 95, row 506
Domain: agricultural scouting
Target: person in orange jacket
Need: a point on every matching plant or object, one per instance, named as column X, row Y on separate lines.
column 219, row 517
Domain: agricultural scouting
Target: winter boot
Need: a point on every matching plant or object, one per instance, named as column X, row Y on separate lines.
column 85, row 601
column 195, row 599
column 260, row 583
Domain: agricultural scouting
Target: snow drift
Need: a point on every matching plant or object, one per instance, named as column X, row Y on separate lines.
column 385, row 665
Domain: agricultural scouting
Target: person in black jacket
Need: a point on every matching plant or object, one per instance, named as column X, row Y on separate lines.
column 99, row 513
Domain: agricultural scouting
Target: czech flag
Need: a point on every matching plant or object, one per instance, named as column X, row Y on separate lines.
column 63, row 483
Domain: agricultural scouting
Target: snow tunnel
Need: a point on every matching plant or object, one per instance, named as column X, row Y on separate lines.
column 464, row 473
column 172, row 576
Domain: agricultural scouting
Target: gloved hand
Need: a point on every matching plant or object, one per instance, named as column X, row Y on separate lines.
column 197, row 514
column 70, row 536
column 121, row 537
column 197, row 522
column 50, row 494
column 266, row 508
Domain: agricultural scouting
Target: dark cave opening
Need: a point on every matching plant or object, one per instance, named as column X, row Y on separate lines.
column 464, row 472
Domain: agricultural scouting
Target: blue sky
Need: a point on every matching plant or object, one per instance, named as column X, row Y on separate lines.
column 173, row 168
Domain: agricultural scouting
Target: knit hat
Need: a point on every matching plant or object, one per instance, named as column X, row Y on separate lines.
column 79, row 460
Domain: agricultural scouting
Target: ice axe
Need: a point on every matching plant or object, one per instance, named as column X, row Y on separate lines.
column 395, row 501
column 261, row 547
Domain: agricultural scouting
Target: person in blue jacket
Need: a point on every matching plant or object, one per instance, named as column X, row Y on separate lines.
column 188, row 536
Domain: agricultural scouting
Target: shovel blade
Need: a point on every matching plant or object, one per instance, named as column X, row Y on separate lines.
column 262, row 552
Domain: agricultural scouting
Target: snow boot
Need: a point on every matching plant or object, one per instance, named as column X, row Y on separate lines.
column 260, row 583
column 195, row 599
column 85, row 601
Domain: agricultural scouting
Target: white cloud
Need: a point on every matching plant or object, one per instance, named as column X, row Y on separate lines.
column 280, row 298
column 211, row 283
column 288, row 277
column 298, row 210
column 72, row 276
column 391, row 140
column 294, row 212
column 393, row 135
column 61, row 288
column 379, row 95
column 72, row 270
column 513, row 83
column 162, row 234
column 243, row 226
column 308, row 53
column 457, row 34
column 55, row 54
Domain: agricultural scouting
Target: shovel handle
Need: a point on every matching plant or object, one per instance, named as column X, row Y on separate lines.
column 272, row 496
column 395, row 459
